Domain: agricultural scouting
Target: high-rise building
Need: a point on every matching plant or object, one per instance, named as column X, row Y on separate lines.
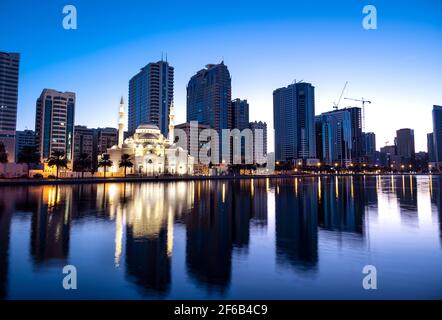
column 25, row 138
column 370, row 147
column 209, row 94
column 259, row 141
column 54, row 123
column 437, row 134
column 294, row 124
column 83, row 142
column 405, row 145
column 335, row 130
column 150, row 96
column 430, row 147
column 9, row 69
column 369, row 143
column 357, row 135
column 240, row 114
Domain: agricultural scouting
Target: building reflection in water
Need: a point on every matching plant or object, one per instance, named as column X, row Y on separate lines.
column 149, row 231
column 296, row 223
column 209, row 235
column 50, row 226
column 342, row 203
column 435, row 186
column 220, row 220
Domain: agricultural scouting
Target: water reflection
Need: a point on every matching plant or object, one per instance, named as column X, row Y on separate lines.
column 221, row 221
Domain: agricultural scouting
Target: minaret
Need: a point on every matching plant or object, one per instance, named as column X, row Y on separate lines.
column 121, row 124
column 171, row 123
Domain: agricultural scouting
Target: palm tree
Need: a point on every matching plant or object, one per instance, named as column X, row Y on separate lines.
column 29, row 155
column 105, row 162
column 57, row 159
column 83, row 163
column 125, row 162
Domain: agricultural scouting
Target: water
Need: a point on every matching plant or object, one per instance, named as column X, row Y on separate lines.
column 294, row 238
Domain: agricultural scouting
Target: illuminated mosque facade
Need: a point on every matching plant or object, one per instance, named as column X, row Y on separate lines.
column 150, row 152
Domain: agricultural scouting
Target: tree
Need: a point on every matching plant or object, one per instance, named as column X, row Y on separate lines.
column 83, row 163
column 29, row 155
column 125, row 162
column 105, row 162
column 3, row 153
column 58, row 160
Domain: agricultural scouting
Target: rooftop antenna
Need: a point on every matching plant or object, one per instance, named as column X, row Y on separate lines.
column 166, row 56
column 161, row 56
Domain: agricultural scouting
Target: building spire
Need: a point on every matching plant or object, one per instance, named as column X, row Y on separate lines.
column 171, row 122
column 121, row 123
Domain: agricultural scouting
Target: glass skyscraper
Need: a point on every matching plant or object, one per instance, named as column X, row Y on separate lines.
column 335, row 130
column 293, row 120
column 54, row 123
column 209, row 94
column 9, row 67
column 150, row 96
column 437, row 134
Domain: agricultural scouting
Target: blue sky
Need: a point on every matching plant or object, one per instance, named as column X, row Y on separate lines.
column 265, row 44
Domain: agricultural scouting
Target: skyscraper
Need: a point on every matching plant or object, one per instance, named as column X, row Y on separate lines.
column 370, row 146
column 430, row 147
column 150, row 96
column 259, row 145
column 54, row 123
column 240, row 114
column 357, row 135
column 209, row 94
column 369, row 143
column 294, row 124
column 405, row 145
column 437, row 134
column 335, row 130
column 9, row 67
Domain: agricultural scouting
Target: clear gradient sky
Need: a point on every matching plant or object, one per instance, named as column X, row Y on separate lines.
column 265, row 44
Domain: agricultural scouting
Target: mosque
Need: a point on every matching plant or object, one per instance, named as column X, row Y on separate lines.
column 150, row 152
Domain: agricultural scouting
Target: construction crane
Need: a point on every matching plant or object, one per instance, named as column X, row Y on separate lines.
column 363, row 101
column 336, row 105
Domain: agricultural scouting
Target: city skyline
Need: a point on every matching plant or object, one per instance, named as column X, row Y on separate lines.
column 330, row 56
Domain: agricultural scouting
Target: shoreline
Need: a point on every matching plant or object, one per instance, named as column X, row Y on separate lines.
column 99, row 180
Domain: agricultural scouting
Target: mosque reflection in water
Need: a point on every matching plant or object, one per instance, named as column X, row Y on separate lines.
column 218, row 218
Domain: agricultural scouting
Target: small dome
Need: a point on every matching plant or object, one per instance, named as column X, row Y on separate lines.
column 148, row 126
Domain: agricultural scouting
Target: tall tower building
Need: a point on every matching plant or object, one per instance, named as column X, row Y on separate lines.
column 150, row 96
column 209, row 94
column 335, row 130
column 240, row 114
column 121, row 124
column 294, row 122
column 9, row 67
column 405, row 145
column 54, row 123
column 437, row 134
column 259, row 130
column 430, row 148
